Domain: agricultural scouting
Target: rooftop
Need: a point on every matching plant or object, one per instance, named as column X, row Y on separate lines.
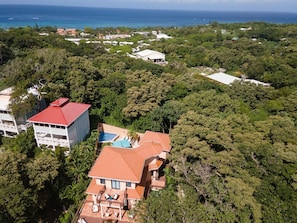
column 152, row 54
column 229, row 79
column 126, row 164
column 60, row 112
column 223, row 78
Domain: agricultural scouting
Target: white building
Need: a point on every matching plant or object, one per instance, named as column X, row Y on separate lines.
column 162, row 36
column 224, row 78
column 229, row 79
column 63, row 124
column 11, row 125
column 151, row 55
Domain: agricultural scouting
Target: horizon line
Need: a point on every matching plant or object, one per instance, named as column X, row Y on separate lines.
column 161, row 9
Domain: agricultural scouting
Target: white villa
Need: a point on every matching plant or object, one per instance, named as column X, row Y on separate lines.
column 11, row 125
column 151, row 55
column 63, row 124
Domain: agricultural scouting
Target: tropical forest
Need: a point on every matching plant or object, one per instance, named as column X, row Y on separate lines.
column 234, row 147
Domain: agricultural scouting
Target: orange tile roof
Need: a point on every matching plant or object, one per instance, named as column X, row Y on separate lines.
column 118, row 164
column 60, row 112
column 159, row 137
column 127, row 164
column 136, row 193
column 94, row 188
column 149, row 149
column 155, row 166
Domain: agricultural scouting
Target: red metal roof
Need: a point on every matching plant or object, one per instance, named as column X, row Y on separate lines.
column 60, row 112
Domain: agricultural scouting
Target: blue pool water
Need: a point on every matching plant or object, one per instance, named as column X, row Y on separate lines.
column 106, row 136
column 124, row 143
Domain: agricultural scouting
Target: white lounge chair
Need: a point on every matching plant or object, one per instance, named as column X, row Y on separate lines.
column 95, row 208
column 115, row 196
column 81, row 220
column 107, row 196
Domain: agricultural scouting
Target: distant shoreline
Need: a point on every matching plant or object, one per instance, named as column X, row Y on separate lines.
column 81, row 17
column 150, row 9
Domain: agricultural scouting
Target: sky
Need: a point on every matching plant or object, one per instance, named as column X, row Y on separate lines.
column 224, row 5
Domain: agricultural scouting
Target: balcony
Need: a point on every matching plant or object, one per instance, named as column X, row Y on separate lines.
column 103, row 211
column 8, row 126
column 47, row 129
column 52, row 141
column 7, row 117
column 157, row 184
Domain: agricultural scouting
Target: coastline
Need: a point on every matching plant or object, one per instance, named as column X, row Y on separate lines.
column 81, row 17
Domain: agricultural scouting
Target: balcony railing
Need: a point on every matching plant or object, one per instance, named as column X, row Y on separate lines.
column 7, row 117
column 158, row 183
column 9, row 127
column 53, row 141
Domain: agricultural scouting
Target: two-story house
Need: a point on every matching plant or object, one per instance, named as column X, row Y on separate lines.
column 11, row 124
column 62, row 123
column 123, row 176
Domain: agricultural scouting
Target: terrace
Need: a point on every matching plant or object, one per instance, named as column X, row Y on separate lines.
column 118, row 137
column 107, row 209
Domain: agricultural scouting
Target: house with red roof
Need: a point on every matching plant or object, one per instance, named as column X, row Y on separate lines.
column 123, row 176
column 63, row 124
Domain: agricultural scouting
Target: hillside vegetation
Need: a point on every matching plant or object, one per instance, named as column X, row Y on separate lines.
column 234, row 148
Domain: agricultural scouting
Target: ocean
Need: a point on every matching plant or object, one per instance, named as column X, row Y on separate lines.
column 82, row 17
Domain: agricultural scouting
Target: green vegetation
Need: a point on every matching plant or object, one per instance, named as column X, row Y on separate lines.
column 234, row 148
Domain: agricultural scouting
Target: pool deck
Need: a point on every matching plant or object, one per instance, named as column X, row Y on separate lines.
column 121, row 132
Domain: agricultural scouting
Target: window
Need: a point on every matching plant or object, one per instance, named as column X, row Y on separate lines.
column 115, row 184
column 102, row 181
column 128, row 184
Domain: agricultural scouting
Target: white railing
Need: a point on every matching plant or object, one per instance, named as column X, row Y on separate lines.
column 8, row 127
column 7, row 117
column 46, row 129
column 53, row 142
column 24, row 127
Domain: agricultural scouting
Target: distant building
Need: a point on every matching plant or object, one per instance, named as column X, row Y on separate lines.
column 163, row 36
column 63, row 124
column 67, row 32
column 245, row 29
column 160, row 35
column 229, row 79
column 11, row 125
column 223, row 78
column 117, row 36
column 151, row 55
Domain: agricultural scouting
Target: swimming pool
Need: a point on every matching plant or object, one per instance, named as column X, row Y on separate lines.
column 107, row 137
column 124, row 143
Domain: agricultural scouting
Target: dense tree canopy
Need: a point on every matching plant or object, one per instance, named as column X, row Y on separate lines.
column 234, row 147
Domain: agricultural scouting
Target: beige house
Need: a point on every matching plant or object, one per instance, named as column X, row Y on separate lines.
column 123, row 176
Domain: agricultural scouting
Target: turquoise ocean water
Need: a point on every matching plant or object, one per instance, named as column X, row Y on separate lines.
column 81, row 17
